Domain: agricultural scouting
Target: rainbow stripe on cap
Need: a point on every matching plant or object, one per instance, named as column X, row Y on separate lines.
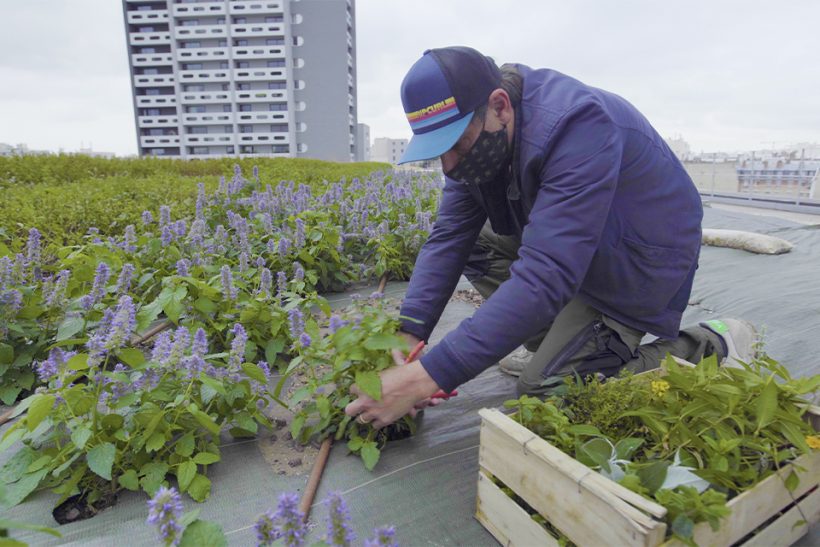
column 433, row 114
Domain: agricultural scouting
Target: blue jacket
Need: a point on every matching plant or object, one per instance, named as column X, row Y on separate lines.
column 605, row 212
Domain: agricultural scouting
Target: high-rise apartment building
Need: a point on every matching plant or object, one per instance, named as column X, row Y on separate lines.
column 388, row 150
column 243, row 77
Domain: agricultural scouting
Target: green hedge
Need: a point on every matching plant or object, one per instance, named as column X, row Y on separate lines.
column 64, row 196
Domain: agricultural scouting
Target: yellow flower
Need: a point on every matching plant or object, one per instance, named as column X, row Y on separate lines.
column 659, row 387
column 813, row 441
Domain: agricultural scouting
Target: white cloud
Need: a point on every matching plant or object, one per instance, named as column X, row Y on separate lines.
column 725, row 75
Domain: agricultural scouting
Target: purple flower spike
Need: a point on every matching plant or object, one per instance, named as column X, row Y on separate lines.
column 98, row 288
column 304, row 340
column 336, row 323
column 287, row 524
column 164, row 215
column 385, row 537
column 164, row 511
column 122, row 324
column 281, row 283
column 240, row 339
column 200, row 345
column 147, row 218
column 228, row 290
column 339, row 532
column 182, row 267
column 124, row 280
column 297, row 323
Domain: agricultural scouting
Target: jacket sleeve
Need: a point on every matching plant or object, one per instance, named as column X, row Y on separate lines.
column 442, row 259
column 576, row 187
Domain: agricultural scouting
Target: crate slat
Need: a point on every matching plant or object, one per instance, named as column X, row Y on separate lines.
column 505, row 519
column 574, row 502
column 788, row 528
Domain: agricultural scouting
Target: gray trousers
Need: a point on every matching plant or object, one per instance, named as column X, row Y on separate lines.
column 581, row 340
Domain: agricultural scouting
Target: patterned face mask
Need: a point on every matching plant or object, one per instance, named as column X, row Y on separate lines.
column 486, row 160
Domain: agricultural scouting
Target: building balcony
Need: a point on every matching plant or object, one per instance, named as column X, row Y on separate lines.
column 156, row 100
column 202, row 54
column 261, row 96
column 209, row 139
column 151, row 59
column 153, row 16
column 244, row 118
column 159, row 140
column 199, row 9
column 153, row 80
column 207, row 118
column 205, row 75
column 149, row 38
column 257, row 52
column 257, row 74
column 262, row 138
column 215, row 97
column 157, row 121
column 200, row 31
column 252, row 30
column 255, row 7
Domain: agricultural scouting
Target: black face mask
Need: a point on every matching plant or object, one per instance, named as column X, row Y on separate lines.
column 486, row 160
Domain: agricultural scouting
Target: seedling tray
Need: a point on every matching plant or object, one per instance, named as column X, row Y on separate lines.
column 592, row 510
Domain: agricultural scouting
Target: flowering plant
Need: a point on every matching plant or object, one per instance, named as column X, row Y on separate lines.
column 108, row 418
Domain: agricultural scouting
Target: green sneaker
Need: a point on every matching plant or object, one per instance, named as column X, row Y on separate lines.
column 739, row 336
column 515, row 363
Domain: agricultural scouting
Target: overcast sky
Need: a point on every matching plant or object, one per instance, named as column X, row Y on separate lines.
column 724, row 75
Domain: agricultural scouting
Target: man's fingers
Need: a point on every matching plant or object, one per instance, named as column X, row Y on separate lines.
column 398, row 356
column 355, row 408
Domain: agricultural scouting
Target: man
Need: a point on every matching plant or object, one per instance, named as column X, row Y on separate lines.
column 568, row 213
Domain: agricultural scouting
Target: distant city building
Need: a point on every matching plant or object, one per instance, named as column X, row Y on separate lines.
column 779, row 173
column 388, row 150
column 679, row 147
column 243, row 77
column 362, row 142
column 20, row 150
column 6, row 149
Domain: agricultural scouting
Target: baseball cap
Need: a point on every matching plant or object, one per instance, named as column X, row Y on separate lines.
column 440, row 93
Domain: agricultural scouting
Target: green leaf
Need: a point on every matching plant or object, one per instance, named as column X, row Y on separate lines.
column 80, row 436
column 200, row 488
column 155, row 442
column 206, row 458
column 296, row 425
column 16, row 467
column 370, row 383
column 355, row 444
column 78, row 362
column 6, row 354
column 10, row 437
column 792, row 482
column 69, row 327
column 653, row 475
column 204, row 420
column 38, row 410
column 205, row 305
column 153, row 474
column 185, row 445
column 370, row 454
column 203, row 533
column 683, row 526
column 173, row 309
column 383, row 341
column 129, row 480
column 766, row 404
column 254, row 372
column 273, row 348
column 213, row 383
column 131, row 357
column 596, row 451
column 18, row 491
column 101, row 459
column 626, row 447
column 14, row 525
column 186, row 471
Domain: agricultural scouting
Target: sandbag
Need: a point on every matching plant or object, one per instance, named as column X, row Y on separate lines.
column 746, row 241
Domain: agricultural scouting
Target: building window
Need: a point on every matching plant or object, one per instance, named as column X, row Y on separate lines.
column 277, row 85
column 275, row 41
column 197, row 130
column 189, row 45
column 195, row 108
column 199, row 150
column 192, row 66
column 281, row 149
column 245, row 108
column 148, row 50
column 243, row 86
column 277, row 107
column 193, row 87
column 151, row 112
column 189, row 23
column 246, row 129
column 152, row 91
column 276, row 63
column 226, row 108
column 242, row 64
column 274, row 19
column 240, row 20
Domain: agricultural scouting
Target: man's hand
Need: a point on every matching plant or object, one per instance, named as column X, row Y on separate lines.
column 403, row 386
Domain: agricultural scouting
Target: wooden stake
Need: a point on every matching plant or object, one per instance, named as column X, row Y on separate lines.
column 6, row 416
column 315, row 477
column 152, row 332
column 383, row 282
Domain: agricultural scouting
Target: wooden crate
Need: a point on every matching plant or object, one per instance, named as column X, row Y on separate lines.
column 593, row 510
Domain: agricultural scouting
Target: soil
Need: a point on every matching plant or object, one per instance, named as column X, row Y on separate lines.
column 77, row 508
column 470, row 296
column 285, row 455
